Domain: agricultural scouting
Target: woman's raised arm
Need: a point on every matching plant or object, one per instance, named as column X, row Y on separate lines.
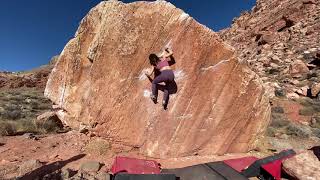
column 168, row 52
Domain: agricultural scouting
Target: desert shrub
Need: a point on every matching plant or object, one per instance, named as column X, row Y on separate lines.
column 316, row 107
column 34, row 104
column 4, row 98
column 302, row 83
column 31, row 96
column 11, row 107
column 316, row 132
column 311, row 75
column 26, row 126
column 310, row 106
column 50, row 126
column 315, row 122
column 7, row 129
column 11, row 112
column 19, row 107
column 277, row 109
column 306, row 102
column 44, row 106
column 14, row 93
column 307, row 111
column 298, row 131
column 98, row 146
column 278, row 121
column 309, row 102
column 12, row 115
column 17, row 98
column 271, row 131
column 280, row 93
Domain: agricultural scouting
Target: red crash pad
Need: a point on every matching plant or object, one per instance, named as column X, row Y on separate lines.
column 135, row 166
column 241, row 163
column 274, row 168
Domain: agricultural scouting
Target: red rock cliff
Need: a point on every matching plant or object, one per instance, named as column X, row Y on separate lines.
column 98, row 80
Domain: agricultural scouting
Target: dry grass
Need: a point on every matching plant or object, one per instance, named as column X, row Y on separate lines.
column 7, row 129
column 310, row 106
column 298, row 130
column 281, row 125
column 315, row 122
column 18, row 110
column 98, row 146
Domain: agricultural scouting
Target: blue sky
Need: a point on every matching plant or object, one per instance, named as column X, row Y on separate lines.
column 32, row 31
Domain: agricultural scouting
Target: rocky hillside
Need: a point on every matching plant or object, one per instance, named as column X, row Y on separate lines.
column 36, row 78
column 280, row 41
column 99, row 82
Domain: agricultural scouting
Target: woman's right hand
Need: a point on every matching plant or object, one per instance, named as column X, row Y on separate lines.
column 168, row 52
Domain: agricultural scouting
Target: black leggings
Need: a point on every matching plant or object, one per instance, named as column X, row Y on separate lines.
column 167, row 77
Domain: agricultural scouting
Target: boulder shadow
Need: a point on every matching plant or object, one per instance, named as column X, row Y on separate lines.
column 49, row 168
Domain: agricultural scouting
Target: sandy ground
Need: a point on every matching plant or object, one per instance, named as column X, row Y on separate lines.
column 70, row 150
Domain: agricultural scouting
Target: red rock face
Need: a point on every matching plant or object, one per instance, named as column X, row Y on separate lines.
column 219, row 107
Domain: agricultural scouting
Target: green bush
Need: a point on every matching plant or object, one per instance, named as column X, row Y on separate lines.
column 277, row 109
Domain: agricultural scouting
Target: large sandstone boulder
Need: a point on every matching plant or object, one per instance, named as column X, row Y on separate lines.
column 220, row 106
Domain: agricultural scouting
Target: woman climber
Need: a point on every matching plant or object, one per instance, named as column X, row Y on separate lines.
column 165, row 75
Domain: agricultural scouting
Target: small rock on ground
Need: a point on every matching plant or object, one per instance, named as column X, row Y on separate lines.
column 29, row 166
column 91, row 166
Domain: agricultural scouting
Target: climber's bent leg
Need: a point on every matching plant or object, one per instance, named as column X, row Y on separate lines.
column 166, row 76
column 165, row 98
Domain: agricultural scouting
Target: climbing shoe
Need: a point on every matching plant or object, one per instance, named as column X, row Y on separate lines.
column 165, row 105
column 154, row 99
